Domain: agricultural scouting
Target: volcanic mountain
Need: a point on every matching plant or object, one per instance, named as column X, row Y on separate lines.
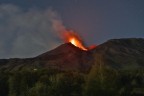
column 121, row 53
column 65, row 57
column 115, row 53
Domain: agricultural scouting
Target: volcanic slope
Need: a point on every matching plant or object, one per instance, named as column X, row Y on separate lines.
column 65, row 57
column 121, row 53
column 115, row 53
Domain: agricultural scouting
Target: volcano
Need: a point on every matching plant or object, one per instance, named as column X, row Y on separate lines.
column 115, row 53
column 65, row 57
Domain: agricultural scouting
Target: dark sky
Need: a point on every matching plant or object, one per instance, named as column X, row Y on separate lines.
column 95, row 20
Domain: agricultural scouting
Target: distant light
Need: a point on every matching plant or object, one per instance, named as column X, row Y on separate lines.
column 35, row 69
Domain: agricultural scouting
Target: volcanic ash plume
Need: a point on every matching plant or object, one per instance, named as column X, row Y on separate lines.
column 68, row 35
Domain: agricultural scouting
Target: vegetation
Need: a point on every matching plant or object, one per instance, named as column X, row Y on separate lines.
column 99, row 81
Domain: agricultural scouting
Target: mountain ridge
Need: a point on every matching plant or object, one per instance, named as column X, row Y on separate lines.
column 122, row 51
column 125, row 53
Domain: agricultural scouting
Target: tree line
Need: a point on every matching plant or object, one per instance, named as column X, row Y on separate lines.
column 102, row 81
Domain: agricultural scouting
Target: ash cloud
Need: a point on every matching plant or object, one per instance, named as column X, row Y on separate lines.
column 28, row 33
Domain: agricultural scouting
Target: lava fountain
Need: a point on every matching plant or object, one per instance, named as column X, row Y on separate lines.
column 74, row 38
column 77, row 43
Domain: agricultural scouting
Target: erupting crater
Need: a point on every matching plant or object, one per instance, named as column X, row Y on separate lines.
column 75, row 39
column 77, row 43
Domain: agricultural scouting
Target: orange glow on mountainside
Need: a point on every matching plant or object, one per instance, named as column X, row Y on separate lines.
column 77, row 43
column 74, row 38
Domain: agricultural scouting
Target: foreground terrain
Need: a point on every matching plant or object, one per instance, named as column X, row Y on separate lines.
column 114, row 68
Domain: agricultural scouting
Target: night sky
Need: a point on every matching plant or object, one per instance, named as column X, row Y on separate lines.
column 29, row 27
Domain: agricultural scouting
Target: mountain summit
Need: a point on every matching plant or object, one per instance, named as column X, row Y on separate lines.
column 66, row 57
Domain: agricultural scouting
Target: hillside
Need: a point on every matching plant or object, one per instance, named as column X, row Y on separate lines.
column 114, row 68
column 121, row 53
column 65, row 57
column 115, row 53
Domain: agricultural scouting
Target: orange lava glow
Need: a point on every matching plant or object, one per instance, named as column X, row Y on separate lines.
column 74, row 38
column 77, row 43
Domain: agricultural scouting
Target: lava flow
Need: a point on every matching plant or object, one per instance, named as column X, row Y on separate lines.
column 74, row 39
column 77, row 43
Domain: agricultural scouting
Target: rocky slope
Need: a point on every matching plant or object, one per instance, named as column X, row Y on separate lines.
column 65, row 57
column 121, row 53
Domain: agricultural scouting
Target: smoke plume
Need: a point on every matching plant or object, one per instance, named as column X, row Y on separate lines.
column 27, row 33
